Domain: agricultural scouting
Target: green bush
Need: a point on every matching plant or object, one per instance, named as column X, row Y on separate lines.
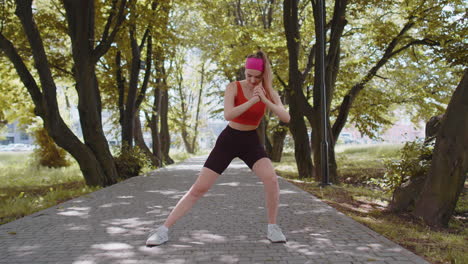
column 415, row 160
column 130, row 162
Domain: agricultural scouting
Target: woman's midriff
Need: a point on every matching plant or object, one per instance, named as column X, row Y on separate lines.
column 241, row 127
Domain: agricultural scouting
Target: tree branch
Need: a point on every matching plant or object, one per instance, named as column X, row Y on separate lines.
column 104, row 45
column 381, row 77
column 24, row 13
column 143, row 40
column 238, row 11
column 62, row 70
column 105, row 33
column 26, row 77
column 280, row 80
column 424, row 41
column 349, row 98
column 120, row 87
column 271, row 3
column 144, row 86
column 310, row 62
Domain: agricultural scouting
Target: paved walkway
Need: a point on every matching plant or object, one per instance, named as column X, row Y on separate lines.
column 228, row 225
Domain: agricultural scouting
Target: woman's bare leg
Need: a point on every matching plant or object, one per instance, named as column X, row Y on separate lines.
column 205, row 180
column 265, row 171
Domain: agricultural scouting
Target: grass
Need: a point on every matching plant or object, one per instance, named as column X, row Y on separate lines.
column 26, row 188
column 367, row 204
column 358, row 164
column 181, row 155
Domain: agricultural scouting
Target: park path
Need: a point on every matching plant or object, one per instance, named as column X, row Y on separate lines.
column 228, row 225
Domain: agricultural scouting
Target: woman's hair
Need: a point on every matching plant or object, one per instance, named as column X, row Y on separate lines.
column 267, row 81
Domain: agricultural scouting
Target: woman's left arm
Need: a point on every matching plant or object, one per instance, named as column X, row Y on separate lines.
column 276, row 106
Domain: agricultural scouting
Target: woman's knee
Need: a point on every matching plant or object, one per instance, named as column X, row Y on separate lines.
column 271, row 180
column 198, row 191
column 205, row 180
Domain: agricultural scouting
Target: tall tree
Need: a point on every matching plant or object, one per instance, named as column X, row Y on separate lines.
column 449, row 167
column 187, row 100
column 296, row 98
column 93, row 156
column 135, row 67
column 133, row 93
column 387, row 45
column 164, row 53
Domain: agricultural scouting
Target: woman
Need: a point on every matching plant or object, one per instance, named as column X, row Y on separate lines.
column 245, row 103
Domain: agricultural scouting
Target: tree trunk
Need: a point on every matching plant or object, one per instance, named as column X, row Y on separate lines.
column 121, row 89
column 154, row 125
column 295, row 95
column 404, row 196
column 80, row 17
column 140, row 142
column 165, row 137
column 279, row 134
column 187, row 142
column 302, row 151
column 268, row 145
column 280, row 131
column 197, row 115
column 134, row 95
column 432, row 127
column 130, row 102
column 261, row 130
column 449, row 166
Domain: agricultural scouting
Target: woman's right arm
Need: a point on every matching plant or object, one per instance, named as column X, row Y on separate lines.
column 231, row 111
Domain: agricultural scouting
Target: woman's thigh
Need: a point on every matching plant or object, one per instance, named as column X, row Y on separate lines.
column 263, row 168
column 205, row 180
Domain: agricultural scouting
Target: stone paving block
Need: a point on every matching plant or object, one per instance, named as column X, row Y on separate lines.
column 228, row 225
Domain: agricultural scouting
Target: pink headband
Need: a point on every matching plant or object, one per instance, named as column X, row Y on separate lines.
column 254, row 64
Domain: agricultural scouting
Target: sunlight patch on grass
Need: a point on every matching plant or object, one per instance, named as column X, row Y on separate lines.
column 181, row 155
column 33, row 175
column 26, row 188
column 9, row 158
column 287, row 167
column 378, row 150
column 26, row 203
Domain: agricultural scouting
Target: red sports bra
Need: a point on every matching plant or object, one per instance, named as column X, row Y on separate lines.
column 251, row 116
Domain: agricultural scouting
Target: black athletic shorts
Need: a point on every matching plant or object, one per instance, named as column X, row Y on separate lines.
column 233, row 143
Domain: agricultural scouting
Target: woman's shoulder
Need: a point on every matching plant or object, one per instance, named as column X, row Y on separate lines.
column 232, row 86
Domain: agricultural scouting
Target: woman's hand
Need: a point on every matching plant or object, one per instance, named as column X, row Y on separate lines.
column 259, row 92
column 254, row 99
column 274, row 104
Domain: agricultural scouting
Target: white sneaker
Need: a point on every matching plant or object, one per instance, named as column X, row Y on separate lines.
column 275, row 235
column 158, row 236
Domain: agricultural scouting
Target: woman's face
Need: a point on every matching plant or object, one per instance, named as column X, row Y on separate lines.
column 253, row 77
